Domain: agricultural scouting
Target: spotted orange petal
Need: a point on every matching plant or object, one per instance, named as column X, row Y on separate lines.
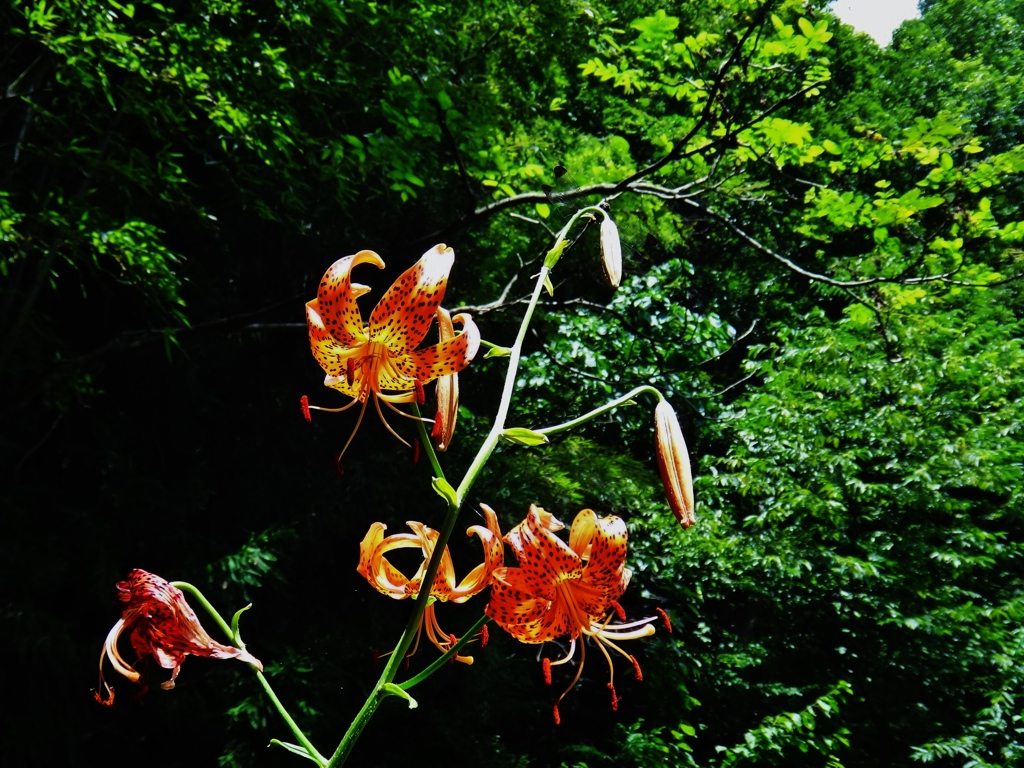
column 446, row 358
column 378, row 570
column 545, row 557
column 444, row 581
column 336, row 299
column 404, row 313
column 478, row 578
column 528, row 616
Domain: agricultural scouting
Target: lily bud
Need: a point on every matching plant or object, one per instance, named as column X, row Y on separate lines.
column 611, row 252
column 674, row 463
column 447, row 391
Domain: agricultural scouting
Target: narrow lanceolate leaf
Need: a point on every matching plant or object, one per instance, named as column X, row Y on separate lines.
column 674, row 464
column 444, row 489
column 523, row 436
column 391, row 689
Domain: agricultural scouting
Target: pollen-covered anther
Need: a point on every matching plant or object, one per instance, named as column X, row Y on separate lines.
column 415, row 452
column 615, row 697
column 485, row 637
column 637, row 672
column 350, row 371
column 665, row 619
column 558, row 717
column 619, row 610
column 436, row 430
column 304, row 404
column 421, row 396
column 546, row 668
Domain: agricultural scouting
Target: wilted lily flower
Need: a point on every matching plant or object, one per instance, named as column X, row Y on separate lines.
column 162, row 624
column 569, row 589
column 674, row 463
column 447, row 390
column 380, row 357
column 375, row 567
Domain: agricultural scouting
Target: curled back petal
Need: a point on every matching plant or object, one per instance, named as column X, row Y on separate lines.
column 444, row 581
column 607, row 543
column 379, row 572
column 478, row 578
column 336, row 298
column 404, row 313
column 527, row 616
column 448, row 357
column 331, row 353
column 544, row 556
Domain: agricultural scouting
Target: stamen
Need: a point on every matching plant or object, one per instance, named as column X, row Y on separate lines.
column 636, row 668
column 415, row 452
column 546, row 667
column 558, row 717
column 436, row 431
column 350, row 370
column 399, row 438
column 664, row 618
column 452, row 640
column 615, row 698
column 359, row 421
column 619, row 610
column 304, row 404
column 421, row 396
column 485, row 637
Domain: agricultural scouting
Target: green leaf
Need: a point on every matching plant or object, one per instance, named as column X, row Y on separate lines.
column 390, row 689
column 523, row 436
column 444, row 489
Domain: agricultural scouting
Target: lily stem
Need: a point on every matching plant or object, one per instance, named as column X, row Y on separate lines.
column 610, row 405
column 237, row 640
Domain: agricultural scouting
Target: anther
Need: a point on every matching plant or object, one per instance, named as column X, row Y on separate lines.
column 546, row 667
column 415, row 452
column 304, row 404
column 436, row 431
column 558, row 717
column 664, row 618
column 421, row 396
column 350, row 371
column 485, row 637
column 636, row 668
column 619, row 610
column 615, row 698
column 452, row 640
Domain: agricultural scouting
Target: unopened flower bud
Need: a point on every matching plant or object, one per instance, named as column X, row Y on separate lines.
column 674, row 463
column 611, row 252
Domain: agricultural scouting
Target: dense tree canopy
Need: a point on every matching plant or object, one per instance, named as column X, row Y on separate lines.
column 822, row 262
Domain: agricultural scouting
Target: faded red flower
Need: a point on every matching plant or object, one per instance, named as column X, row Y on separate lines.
column 162, row 625
column 564, row 589
column 380, row 357
column 375, row 567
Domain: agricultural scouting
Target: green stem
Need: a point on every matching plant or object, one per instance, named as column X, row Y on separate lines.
column 428, row 444
column 236, row 638
column 610, row 405
column 447, row 656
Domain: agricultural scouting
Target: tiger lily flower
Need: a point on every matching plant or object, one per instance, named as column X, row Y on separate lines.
column 162, row 624
column 569, row 589
column 380, row 358
column 375, row 567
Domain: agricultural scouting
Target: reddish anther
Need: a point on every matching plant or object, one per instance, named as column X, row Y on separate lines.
column 350, row 370
column 664, row 618
column 304, row 404
column 636, row 668
column 437, row 425
column 619, row 610
column 485, row 637
column 558, row 717
column 615, row 698
column 415, row 452
column 421, row 396
column 546, row 667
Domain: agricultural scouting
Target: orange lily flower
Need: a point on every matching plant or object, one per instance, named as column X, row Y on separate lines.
column 375, row 567
column 380, row 357
column 161, row 624
column 569, row 589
